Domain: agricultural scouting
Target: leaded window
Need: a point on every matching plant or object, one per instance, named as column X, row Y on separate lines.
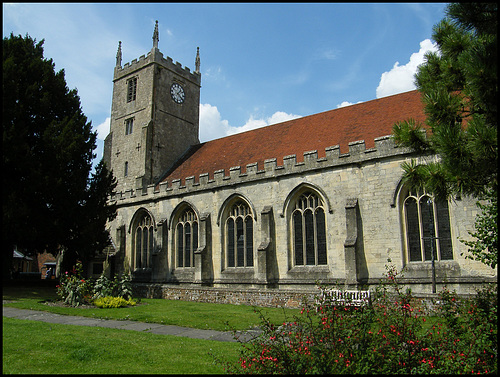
column 239, row 236
column 186, row 238
column 427, row 227
column 144, row 241
column 309, row 231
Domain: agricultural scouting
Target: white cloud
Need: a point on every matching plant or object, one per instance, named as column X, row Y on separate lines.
column 280, row 116
column 252, row 123
column 103, row 129
column 211, row 125
column 346, row 103
column 401, row 78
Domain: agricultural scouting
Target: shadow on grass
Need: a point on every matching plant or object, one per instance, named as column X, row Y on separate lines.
column 45, row 290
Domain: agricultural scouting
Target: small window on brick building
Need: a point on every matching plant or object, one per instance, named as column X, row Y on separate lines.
column 131, row 89
column 125, row 172
column 129, row 125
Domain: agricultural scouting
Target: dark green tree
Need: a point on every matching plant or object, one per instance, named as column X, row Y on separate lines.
column 91, row 235
column 460, row 94
column 47, row 155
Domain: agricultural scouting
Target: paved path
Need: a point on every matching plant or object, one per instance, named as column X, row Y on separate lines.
column 154, row 328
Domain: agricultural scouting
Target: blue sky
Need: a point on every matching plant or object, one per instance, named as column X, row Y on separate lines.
column 261, row 63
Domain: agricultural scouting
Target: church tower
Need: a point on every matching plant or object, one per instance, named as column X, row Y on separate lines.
column 154, row 117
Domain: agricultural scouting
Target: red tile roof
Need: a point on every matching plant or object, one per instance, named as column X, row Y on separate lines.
column 365, row 121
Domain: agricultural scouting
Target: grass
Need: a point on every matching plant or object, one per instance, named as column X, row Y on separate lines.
column 38, row 347
column 198, row 315
column 32, row 347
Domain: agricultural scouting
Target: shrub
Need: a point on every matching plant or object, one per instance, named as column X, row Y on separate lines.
column 123, row 286
column 119, row 287
column 391, row 335
column 73, row 289
column 113, row 302
column 103, row 287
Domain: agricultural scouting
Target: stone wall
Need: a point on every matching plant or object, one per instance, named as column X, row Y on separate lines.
column 274, row 298
column 266, row 298
column 365, row 227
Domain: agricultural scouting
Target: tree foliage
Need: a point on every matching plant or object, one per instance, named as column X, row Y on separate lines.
column 49, row 198
column 460, row 93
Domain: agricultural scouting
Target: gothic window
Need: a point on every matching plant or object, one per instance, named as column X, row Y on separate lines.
column 186, row 238
column 239, row 236
column 131, row 89
column 144, row 242
column 427, row 228
column 309, row 231
column 129, row 124
column 125, row 173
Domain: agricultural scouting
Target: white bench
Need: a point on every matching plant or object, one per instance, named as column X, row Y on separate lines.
column 339, row 297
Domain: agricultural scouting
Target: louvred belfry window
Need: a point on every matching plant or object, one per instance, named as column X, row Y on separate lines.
column 131, row 89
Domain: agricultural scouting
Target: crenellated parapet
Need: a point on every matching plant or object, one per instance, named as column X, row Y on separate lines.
column 155, row 56
column 358, row 154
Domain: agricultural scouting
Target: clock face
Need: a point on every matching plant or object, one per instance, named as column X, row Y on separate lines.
column 177, row 93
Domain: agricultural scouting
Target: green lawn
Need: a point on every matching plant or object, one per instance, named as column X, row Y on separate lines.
column 38, row 347
column 167, row 312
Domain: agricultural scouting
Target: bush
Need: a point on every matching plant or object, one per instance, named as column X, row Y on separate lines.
column 103, row 287
column 391, row 335
column 113, row 302
column 74, row 290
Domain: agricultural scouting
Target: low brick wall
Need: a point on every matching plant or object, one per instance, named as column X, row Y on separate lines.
column 256, row 297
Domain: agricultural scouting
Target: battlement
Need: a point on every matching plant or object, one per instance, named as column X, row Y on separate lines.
column 358, row 154
column 155, row 56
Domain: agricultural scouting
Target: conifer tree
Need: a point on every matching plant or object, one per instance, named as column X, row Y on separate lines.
column 47, row 150
column 460, row 93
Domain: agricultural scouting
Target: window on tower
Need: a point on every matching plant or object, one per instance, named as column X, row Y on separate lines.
column 132, row 89
column 125, row 173
column 129, row 124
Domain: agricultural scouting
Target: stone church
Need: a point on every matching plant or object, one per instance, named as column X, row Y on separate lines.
column 262, row 216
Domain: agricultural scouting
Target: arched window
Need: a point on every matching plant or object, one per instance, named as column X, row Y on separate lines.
column 239, row 236
column 427, row 228
column 308, row 231
column 144, row 241
column 186, row 236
